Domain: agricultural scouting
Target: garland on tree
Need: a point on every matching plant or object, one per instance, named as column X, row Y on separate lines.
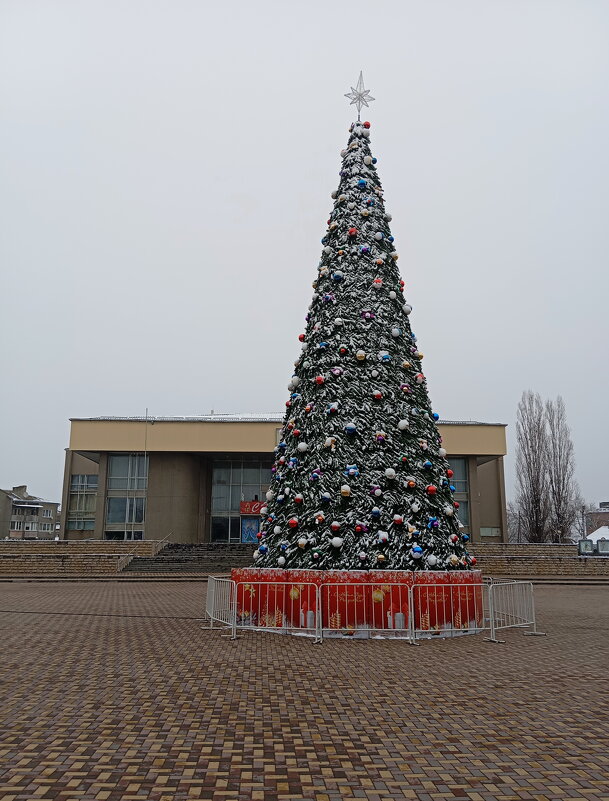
column 360, row 479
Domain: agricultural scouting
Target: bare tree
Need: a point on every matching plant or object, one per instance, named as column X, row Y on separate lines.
column 562, row 487
column 513, row 522
column 531, row 468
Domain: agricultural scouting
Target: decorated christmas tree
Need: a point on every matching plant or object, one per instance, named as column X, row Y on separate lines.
column 360, row 480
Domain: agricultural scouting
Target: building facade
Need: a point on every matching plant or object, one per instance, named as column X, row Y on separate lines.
column 24, row 516
column 204, row 479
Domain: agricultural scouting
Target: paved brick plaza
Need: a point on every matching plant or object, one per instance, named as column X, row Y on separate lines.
column 131, row 699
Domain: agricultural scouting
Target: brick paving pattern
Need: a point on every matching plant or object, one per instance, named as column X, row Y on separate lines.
column 115, row 691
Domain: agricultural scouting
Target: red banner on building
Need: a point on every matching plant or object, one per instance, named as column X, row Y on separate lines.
column 251, row 507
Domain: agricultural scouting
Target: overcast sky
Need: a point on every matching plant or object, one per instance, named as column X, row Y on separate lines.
column 165, row 178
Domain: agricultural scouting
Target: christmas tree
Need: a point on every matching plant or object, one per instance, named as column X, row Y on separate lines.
column 360, row 479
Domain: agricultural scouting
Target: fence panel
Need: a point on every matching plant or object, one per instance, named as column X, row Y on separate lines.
column 281, row 606
column 358, row 610
column 450, row 609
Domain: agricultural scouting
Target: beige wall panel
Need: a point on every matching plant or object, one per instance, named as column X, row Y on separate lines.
column 490, row 486
column 243, row 437
column 173, row 497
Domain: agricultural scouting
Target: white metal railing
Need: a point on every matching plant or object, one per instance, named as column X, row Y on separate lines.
column 394, row 610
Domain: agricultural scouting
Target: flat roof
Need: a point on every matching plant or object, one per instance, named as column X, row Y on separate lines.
column 240, row 418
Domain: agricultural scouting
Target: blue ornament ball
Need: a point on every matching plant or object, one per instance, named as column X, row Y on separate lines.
column 362, row 183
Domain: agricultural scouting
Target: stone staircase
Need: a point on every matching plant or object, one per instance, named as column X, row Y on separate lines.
column 543, row 563
column 202, row 559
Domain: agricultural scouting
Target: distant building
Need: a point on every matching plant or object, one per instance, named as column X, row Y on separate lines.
column 204, row 479
column 595, row 518
column 25, row 516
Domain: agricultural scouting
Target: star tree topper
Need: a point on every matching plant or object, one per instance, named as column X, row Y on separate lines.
column 359, row 96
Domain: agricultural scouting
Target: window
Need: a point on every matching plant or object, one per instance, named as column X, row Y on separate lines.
column 463, row 513
column 82, row 502
column 128, row 471
column 46, row 527
column 30, row 526
column 459, row 479
column 233, row 482
column 124, row 535
column 77, row 524
column 83, row 482
column 16, row 525
column 47, row 513
column 125, row 510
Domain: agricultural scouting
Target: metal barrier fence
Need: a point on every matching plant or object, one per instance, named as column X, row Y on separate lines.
column 372, row 609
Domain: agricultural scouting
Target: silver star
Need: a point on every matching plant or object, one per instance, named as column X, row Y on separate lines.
column 359, row 96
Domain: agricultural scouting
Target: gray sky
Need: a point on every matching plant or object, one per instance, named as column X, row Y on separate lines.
column 165, row 178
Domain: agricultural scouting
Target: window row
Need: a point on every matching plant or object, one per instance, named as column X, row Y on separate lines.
column 81, row 503
column 83, row 483
column 78, row 524
column 31, row 511
column 128, row 471
column 237, row 481
column 125, row 510
column 20, row 525
column 124, row 535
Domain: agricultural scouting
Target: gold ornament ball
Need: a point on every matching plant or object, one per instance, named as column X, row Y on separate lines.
column 294, row 593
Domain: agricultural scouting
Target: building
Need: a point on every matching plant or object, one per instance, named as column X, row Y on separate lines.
column 595, row 518
column 24, row 516
column 204, row 479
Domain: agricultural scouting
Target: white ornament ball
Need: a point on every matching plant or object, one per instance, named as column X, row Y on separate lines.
column 343, row 153
column 334, row 194
column 336, row 542
column 338, row 321
column 306, row 364
column 302, row 542
column 342, row 198
column 415, row 508
column 328, row 249
column 256, row 554
column 366, row 133
column 383, row 536
column 345, row 490
column 388, row 217
column 367, row 160
column 442, row 452
column 378, row 492
column 396, row 332
column 393, row 295
column 302, row 447
column 281, row 561
column 277, row 530
column 390, row 473
column 448, row 511
column 362, row 555
column 378, row 236
column 270, row 495
column 403, row 425
column 395, row 255
column 432, row 560
column 407, row 308
column 351, row 205
column 375, row 374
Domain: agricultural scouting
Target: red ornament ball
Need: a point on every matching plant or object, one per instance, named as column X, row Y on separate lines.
column 472, row 560
column 293, row 522
column 301, row 337
column 456, row 504
column 335, row 525
column 296, row 432
column 319, row 380
column 377, row 394
column 259, row 535
column 352, row 231
column 450, row 473
column 431, row 489
column 366, row 124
